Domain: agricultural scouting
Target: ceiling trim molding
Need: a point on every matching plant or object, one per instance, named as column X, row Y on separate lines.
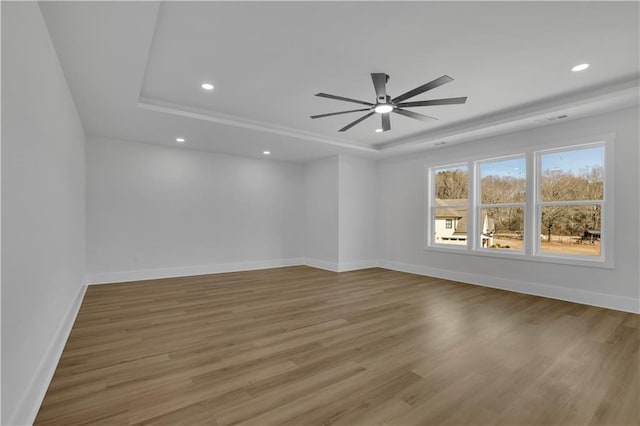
column 231, row 120
column 623, row 93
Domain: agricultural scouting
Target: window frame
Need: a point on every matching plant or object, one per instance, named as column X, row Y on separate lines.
column 540, row 203
column 532, row 220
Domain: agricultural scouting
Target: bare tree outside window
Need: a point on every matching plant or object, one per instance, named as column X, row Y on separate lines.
column 571, row 198
column 503, row 193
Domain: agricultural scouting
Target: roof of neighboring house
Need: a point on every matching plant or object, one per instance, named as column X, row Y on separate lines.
column 450, row 212
column 443, row 212
column 452, row 208
column 451, row 202
column 461, row 226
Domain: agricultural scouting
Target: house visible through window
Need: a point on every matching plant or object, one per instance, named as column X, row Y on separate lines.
column 450, row 187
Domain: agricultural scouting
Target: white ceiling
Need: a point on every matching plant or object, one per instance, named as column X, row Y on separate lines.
column 135, row 68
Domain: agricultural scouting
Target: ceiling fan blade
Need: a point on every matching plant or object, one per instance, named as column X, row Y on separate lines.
column 412, row 114
column 386, row 122
column 338, row 113
column 418, row 90
column 380, row 85
column 340, row 98
column 353, row 123
column 447, row 101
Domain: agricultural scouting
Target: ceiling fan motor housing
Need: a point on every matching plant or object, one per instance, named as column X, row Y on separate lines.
column 387, row 99
column 384, row 100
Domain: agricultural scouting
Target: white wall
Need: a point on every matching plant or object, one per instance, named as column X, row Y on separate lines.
column 340, row 200
column 43, row 217
column 156, row 211
column 321, row 218
column 357, row 213
column 402, row 215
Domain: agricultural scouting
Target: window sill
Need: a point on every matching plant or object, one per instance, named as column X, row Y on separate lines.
column 520, row 256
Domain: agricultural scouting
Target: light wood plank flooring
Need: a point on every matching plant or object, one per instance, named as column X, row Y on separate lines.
column 302, row 346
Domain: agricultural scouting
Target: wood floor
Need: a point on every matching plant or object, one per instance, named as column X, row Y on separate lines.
column 302, row 346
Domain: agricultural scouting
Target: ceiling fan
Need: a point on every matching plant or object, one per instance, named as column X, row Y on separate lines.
column 384, row 104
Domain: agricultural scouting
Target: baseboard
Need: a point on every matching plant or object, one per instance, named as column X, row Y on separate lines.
column 356, row 265
column 322, row 264
column 340, row 266
column 186, row 271
column 619, row 303
column 27, row 410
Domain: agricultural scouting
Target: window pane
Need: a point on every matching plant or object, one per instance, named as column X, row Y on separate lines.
column 503, row 181
column 450, row 225
column 573, row 230
column 573, row 175
column 451, row 183
column 502, row 228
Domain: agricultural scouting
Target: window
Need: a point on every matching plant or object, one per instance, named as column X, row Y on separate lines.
column 502, row 204
column 548, row 205
column 449, row 205
column 570, row 201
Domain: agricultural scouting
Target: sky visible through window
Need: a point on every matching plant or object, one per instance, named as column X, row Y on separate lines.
column 575, row 162
column 514, row 168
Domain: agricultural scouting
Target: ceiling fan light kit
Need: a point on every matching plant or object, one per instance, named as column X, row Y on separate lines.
column 383, row 108
column 385, row 104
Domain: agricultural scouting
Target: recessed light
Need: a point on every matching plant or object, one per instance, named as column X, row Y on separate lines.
column 180, row 140
column 378, row 130
column 266, row 152
column 580, row 67
column 383, row 108
column 207, row 86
